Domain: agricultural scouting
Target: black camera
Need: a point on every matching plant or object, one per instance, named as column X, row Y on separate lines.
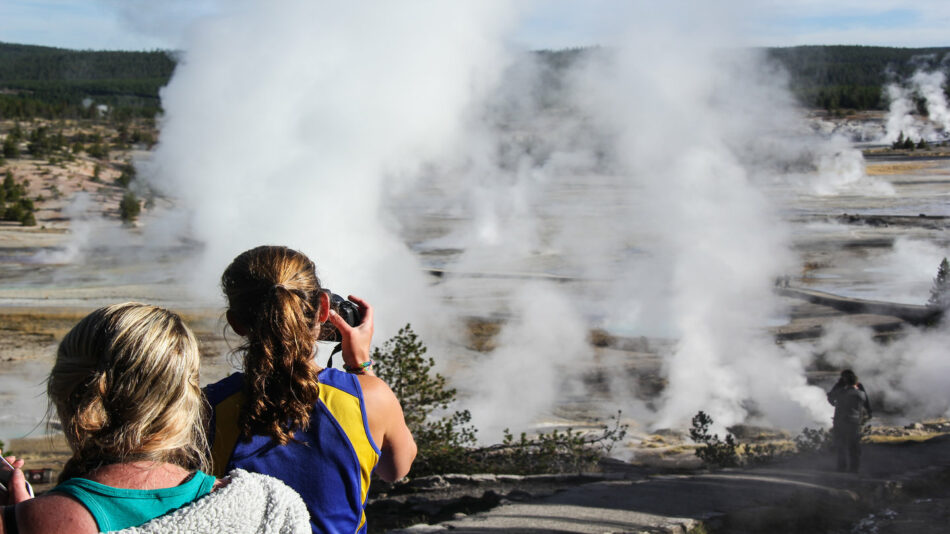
column 347, row 310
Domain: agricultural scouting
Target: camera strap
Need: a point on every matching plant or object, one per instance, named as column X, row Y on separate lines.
column 338, row 348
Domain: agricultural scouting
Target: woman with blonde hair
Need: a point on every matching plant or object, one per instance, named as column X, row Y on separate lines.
column 125, row 388
column 322, row 431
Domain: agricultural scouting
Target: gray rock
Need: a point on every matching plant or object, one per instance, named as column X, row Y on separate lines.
column 430, row 482
column 419, row 528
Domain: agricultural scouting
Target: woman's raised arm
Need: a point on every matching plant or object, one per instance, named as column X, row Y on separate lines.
column 388, row 427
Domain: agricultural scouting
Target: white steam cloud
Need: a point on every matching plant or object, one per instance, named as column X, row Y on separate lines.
column 686, row 112
column 286, row 124
column 926, row 84
column 639, row 176
column 908, row 375
column 646, row 179
column 516, row 385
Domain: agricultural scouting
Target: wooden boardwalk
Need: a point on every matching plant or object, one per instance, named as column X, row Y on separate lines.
column 911, row 313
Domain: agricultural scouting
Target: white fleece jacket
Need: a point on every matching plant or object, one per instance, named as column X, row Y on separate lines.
column 250, row 503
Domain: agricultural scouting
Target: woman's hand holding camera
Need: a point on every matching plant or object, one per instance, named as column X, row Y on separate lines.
column 356, row 339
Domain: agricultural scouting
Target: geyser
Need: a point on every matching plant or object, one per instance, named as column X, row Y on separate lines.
column 639, row 173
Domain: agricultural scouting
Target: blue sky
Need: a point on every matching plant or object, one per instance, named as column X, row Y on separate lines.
column 149, row 24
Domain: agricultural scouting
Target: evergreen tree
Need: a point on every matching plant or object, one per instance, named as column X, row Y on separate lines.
column 129, row 207
column 900, row 141
column 10, row 185
column 940, row 291
column 17, row 132
column 28, row 219
column 425, row 397
column 128, row 174
column 40, row 144
column 401, row 363
column 98, row 151
column 13, row 212
column 11, row 148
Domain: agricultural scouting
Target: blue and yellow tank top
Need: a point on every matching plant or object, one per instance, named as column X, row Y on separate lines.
column 119, row 508
column 328, row 464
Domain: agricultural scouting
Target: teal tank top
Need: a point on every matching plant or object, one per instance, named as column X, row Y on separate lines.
column 119, row 508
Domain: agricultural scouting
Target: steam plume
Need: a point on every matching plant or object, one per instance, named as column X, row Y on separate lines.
column 643, row 177
column 286, row 125
column 927, row 84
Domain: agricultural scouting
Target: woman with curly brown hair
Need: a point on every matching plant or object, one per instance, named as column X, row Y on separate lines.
column 322, row 431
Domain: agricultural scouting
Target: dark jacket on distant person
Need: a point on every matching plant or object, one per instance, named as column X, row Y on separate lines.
column 850, row 403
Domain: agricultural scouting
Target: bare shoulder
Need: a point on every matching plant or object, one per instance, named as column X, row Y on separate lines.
column 375, row 387
column 55, row 513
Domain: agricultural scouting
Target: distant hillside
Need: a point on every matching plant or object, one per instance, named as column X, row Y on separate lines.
column 829, row 77
column 55, row 82
column 850, row 77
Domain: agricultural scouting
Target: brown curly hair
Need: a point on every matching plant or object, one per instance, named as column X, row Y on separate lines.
column 272, row 294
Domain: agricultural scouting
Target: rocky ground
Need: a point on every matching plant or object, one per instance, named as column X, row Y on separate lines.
column 903, row 487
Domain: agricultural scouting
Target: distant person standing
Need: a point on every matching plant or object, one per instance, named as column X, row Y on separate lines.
column 851, row 404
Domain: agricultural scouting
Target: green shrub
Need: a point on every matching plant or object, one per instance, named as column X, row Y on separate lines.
column 28, row 219
column 812, row 441
column 713, row 452
column 567, row 451
column 11, row 148
column 401, row 363
column 40, row 143
column 762, row 453
column 14, row 212
column 725, row 453
column 447, row 442
column 128, row 174
column 129, row 207
column 17, row 133
column 98, row 150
